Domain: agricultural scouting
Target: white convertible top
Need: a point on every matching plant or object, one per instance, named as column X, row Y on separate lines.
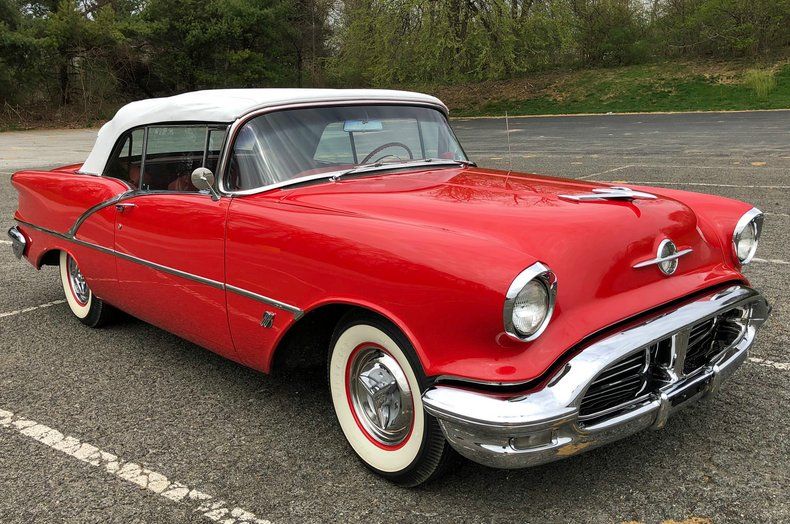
column 225, row 106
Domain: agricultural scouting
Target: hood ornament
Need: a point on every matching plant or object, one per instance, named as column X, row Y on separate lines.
column 610, row 193
column 666, row 257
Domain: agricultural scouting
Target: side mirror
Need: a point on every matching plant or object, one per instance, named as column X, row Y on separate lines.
column 203, row 179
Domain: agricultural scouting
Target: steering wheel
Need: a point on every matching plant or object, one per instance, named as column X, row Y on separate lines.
column 385, row 146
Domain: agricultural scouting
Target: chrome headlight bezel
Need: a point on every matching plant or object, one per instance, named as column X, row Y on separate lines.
column 751, row 219
column 541, row 273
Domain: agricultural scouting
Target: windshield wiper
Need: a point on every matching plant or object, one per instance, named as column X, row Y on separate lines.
column 380, row 166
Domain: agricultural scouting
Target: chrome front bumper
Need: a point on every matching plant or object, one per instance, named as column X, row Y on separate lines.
column 18, row 242
column 545, row 425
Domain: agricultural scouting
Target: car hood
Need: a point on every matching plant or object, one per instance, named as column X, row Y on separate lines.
column 592, row 246
column 526, row 213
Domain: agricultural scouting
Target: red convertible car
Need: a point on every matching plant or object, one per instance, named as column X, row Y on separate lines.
column 514, row 318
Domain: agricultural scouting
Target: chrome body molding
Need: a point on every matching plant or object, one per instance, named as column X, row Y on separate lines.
column 118, row 202
column 101, row 205
column 297, row 313
column 545, row 425
column 18, row 241
column 609, row 193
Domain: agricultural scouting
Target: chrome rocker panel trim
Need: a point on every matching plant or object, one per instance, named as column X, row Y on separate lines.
column 545, row 425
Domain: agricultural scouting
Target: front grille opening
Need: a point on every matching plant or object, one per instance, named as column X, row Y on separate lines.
column 732, row 326
column 622, row 381
column 645, row 371
column 702, row 345
column 661, row 352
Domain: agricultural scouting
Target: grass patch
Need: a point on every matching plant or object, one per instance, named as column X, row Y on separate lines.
column 668, row 86
column 762, row 81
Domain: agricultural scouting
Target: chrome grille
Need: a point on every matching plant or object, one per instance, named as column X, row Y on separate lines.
column 646, row 371
column 622, row 381
column 702, row 344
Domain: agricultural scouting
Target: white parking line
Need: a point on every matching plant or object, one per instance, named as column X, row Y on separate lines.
column 604, row 172
column 202, row 503
column 719, row 168
column 701, row 184
column 31, row 308
column 768, row 213
column 539, row 153
column 771, row 260
column 5, row 241
column 784, row 366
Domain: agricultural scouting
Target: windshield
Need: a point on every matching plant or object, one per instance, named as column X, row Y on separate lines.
column 287, row 145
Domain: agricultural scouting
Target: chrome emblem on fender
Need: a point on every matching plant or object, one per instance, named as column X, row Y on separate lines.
column 666, row 257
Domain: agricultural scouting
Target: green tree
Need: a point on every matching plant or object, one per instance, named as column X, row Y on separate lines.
column 724, row 28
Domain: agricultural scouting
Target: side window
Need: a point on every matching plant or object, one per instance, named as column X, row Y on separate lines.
column 125, row 160
column 215, row 142
column 172, row 153
column 248, row 168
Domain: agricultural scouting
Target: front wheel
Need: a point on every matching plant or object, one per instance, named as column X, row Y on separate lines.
column 89, row 309
column 376, row 384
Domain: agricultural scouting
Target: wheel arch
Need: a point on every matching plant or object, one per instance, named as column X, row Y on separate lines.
column 50, row 257
column 306, row 341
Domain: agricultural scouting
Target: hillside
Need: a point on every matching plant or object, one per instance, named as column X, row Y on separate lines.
column 667, row 86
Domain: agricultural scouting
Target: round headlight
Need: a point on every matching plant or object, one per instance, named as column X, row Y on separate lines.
column 531, row 307
column 529, row 302
column 747, row 235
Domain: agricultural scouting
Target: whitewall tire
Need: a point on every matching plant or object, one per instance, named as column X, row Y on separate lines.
column 89, row 309
column 376, row 383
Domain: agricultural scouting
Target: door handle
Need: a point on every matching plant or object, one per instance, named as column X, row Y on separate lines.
column 123, row 206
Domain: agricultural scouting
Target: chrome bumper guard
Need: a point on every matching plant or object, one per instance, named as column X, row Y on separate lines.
column 18, row 242
column 545, row 425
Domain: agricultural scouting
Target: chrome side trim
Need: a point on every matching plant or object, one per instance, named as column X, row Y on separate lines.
column 164, row 269
column 297, row 313
column 125, row 196
column 98, row 207
column 48, row 231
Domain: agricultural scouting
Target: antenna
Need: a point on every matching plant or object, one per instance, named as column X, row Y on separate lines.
column 509, row 152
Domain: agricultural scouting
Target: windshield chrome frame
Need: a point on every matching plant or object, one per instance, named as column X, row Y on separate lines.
column 230, row 139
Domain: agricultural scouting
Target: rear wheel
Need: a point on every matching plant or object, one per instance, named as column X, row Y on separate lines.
column 90, row 310
column 376, row 384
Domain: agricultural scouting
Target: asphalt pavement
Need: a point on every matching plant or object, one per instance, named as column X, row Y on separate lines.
column 132, row 424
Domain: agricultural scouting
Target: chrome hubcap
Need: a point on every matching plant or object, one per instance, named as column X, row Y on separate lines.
column 380, row 396
column 78, row 285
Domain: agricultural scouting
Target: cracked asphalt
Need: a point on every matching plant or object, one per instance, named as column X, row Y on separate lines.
column 271, row 445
